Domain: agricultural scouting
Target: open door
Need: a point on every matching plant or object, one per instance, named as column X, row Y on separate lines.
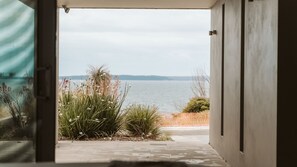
column 27, row 80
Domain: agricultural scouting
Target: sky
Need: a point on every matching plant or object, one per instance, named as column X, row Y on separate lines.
column 134, row 42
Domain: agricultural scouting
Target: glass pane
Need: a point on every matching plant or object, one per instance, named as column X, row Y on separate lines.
column 17, row 102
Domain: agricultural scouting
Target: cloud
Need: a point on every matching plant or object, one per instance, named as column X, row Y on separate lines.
column 160, row 42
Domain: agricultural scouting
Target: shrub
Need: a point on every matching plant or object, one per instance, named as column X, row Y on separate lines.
column 142, row 120
column 197, row 104
column 93, row 109
column 90, row 116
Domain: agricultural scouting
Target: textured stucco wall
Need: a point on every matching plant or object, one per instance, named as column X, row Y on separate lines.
column 260, row 91
column 215, row 79
column 261, row 83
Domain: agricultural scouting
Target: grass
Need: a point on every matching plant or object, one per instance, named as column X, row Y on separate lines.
column 90, row 116
column 185, row 119
column 142, row 121
column 93, row 109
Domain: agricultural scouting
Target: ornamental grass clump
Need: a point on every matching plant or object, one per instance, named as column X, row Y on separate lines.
column 141, row 120
column 93, row 109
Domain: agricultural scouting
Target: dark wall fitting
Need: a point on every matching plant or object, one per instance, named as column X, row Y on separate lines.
column 222, row 70
column 242, row 58
column 287, row 87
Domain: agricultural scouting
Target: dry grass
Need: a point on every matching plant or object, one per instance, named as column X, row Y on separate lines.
column 185, row 119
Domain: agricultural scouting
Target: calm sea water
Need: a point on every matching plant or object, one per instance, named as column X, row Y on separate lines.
column 168, row 96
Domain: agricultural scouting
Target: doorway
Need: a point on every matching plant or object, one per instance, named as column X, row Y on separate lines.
column 45, row 71
column 136, row 44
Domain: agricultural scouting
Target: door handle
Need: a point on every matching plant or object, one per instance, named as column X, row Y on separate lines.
column 42, row 83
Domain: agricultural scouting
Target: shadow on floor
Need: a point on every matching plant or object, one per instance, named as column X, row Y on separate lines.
column 190, row 145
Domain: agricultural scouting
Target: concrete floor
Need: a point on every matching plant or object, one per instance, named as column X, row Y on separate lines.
column 190, row 145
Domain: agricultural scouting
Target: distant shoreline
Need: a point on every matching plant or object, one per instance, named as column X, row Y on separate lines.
column 136, row 77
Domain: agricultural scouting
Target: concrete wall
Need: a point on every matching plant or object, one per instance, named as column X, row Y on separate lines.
column 138, row 4
column 215, row 79
column 260, row 83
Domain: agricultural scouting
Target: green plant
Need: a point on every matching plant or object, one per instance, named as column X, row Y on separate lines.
column 66, row 95
column 197, row 104
column 93, row 109
column 142, row 120
column 100, row 79
column 90, row 116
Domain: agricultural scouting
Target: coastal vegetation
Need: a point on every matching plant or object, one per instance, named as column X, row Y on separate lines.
column 197, row 104
column 200, row 89
column 185, row 119
column 141, row 120
column 201, row 84
column 88, row 116
column 94, row 110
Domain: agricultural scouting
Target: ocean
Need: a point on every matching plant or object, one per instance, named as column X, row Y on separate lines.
column 168, row 96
